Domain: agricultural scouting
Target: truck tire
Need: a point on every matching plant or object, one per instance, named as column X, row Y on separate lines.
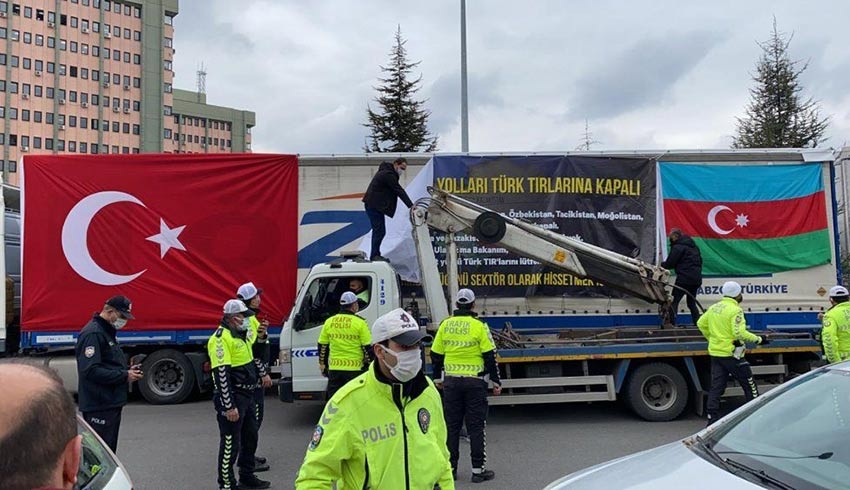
column 169, row 377
column 657, row 392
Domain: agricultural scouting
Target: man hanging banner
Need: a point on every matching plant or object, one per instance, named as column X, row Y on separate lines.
column 609, row 202
column 749, row 220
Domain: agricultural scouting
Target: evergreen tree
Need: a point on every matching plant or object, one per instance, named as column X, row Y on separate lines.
column 401, row 123
column 777, row 117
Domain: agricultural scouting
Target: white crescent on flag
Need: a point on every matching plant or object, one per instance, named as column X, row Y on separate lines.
column 712, row 219
column 75, row 238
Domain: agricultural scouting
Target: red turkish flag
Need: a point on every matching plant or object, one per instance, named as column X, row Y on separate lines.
column 177, row 234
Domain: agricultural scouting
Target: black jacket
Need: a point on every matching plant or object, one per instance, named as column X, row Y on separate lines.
column 384, row 191
column 101, row 367
column 686, row 260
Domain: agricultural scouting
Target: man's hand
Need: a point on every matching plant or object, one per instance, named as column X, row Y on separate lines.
column 263, row 329
column 267, row 381
column 820, row 316
column 497, row 390
column 134, row 374
column 438, row 384
column 232, row 415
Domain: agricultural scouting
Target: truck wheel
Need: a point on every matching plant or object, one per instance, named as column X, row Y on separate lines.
column 657, row 392
column 169, row 377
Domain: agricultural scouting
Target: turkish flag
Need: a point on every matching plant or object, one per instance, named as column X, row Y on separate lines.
column 177, row 234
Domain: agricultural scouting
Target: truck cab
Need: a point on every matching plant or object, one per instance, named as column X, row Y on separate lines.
column 318, row 300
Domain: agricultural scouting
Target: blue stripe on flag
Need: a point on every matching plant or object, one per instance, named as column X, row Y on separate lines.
column 739, row 183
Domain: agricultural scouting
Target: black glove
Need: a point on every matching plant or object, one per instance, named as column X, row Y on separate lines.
column 764, row 340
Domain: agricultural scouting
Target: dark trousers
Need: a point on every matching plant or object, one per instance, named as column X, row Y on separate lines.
column 106, row 423
column 236, row 438
column 338, row 379
column 379, row 230
column 721, row 368
column 466, row 399
column 259, row 405
column 691, row 299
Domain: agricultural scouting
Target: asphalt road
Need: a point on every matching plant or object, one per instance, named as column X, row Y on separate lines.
column 175, row 447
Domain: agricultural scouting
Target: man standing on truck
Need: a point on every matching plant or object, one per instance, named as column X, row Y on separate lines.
column 235, row 376
column 686, row 260
column 104, row 379
column 384, row 429
column 724, row 327
column 465, row 348
column 835, row 334
column 258, row 336
column 381, row 200
column 344, row 344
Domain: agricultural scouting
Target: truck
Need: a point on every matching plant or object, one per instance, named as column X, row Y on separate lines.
column 581, row 348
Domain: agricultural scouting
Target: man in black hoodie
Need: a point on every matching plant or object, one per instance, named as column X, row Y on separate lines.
column 686, row 260
column 381, row 199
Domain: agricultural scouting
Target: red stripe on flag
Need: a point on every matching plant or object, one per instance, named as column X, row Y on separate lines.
column 747, row 220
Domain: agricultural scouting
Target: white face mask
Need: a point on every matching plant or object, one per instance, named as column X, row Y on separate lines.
column 400, row 171
column 245, row 324
column 119, row 323
column 408, row 363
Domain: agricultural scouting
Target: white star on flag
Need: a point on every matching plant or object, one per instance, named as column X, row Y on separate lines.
column 167, row 238
column 742, row 220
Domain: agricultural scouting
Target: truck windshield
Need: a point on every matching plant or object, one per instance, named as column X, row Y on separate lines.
column 798, row 437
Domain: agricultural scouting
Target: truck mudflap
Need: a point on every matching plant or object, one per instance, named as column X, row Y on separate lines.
column 284, row 389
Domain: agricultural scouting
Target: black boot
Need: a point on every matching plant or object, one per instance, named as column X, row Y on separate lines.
column 483, row 476
column 251, row 482
column 260, row 467
column 260, row 460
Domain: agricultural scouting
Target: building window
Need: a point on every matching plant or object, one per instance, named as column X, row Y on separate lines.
column 137, row 35
column 95, row 75
column 116, row 126
column 63, row 69
column 95, row 51
column 83, row 147
column 72, row 146
column 72, row 95
column 84, row 49
column 84, row 122
column 39, row 40
column 48, row 143
column 166, row 110
column 25, row 115
column 28, row 12
column 167, row 133
column 73, row 72
column 60, row 145
column 84, row 73
column 126, row 80
column 116, row 31
column 36, row 142
column 15, row 61
column 94, row 148
column 117, row 7
column 168, row 88
column 95, row 123
column 126, row 56
column 126, row 33
column 63, row 19
column 16, row 9
column 95, row 26
column 13, row 87
column 137, row 12
column 16, row 35
column 168, row 42
column 137, row 129
column 137, row 82
column 169, row 20
column 12, row 165
column 127, row 10
column 85, row 25
column 74, row 46
column 27, row 38
column 51, row 17
column 167, row 65
column 137, row 106
column 137, row 59
column 125, row 128
column 39, row 14
column 37, row 116
column 39, row 65
column 75, row 22
column 63, row 45
column 95, row 99
column 116, row 55
column 72, row 121
column 51, row 67
column 116, row 78
column 106, row 53
column 27, row 64
column 51, row 42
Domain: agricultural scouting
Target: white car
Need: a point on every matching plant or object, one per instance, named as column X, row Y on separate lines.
column 796, row 436
column 99, row 467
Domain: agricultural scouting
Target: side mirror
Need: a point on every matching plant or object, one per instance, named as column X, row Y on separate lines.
column 298, row 322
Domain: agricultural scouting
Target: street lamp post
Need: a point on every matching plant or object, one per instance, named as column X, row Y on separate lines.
column 464, row 108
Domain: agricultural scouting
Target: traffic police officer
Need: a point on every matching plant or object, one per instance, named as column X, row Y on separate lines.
column 235, row 374
column 258, row 336
column 384, row 429
column 102, row 370
column 358, row 286
column 724, row 327
column 464, row 348
column 835, row 334
column 344, row 344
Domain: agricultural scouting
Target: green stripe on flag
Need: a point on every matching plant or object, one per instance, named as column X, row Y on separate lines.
column 730, row 257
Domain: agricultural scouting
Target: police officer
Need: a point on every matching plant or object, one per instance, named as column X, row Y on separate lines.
column 235, row 374
column 464, row 348
column 102, row 370
column 358, row 287
column 258, row 336
column 724, row 327
column 384, row 429
column 344, row 344
column 835, row 334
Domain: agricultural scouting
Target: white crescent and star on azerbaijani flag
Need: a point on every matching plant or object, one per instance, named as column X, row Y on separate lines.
column 741, row 220
column 75, row 238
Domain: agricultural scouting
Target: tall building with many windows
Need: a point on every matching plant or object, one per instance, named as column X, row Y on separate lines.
column 96, row 76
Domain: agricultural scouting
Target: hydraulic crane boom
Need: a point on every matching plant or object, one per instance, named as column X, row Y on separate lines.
column 451, row 214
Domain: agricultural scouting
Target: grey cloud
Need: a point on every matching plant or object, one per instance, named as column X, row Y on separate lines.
column 444, row 97
column 639, row 76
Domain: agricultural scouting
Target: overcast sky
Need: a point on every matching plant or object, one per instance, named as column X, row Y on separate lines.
column 644, row 74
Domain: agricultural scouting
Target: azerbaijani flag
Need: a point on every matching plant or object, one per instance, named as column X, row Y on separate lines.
column 749, row 220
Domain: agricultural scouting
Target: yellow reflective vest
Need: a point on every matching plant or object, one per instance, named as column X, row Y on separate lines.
column 347, row 334
column 722, row 325
column 371, row 435
column 462, row 339
column 835, row 334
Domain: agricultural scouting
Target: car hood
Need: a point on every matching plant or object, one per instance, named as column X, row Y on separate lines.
column 670, row 466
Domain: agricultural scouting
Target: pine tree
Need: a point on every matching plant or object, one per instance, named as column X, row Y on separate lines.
column 401, row 124
column 776, row 116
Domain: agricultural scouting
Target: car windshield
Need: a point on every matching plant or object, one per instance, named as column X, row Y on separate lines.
column 800, row 437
